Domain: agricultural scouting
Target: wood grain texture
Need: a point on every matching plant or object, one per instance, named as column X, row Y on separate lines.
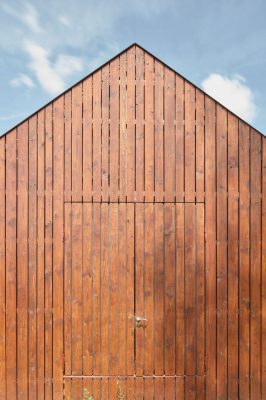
column 133, row 194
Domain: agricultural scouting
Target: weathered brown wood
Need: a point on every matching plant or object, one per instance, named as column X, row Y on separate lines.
column 255, row 265
column 40, row 255
column 48, row 294
column 244, row 259
column 22, row 251
column 233, row 262
column 221, row 162
column 32, row 257
column 132, row 194
column 210, row 237
column 11, row 270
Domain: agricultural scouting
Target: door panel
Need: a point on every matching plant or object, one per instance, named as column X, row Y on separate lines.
column 124, row 261
column 99, row 289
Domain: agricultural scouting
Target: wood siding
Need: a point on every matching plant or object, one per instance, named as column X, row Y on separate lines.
column 136, row 138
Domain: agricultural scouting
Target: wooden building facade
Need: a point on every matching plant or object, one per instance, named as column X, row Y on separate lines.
column 132, row 243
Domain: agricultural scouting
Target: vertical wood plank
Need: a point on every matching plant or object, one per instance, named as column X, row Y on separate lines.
column 114, row 129
column 169, row 288
column 11, row 208
column 68, row 290
column 149, row 264
column 169, row 135
column 58, row 249
column 76, row 331
column 97, row 136
column 221, row 162
column 40, row 255
column 200, row 189
column 159, row 291
column 48, row 330
column 139, row 266
column 113, row 295
column 87, row 289
column 149, row 128
column 22, row 252
column 96, row 271
column 210, row 237
column 190, row 150
column 105, row 288
column 123, row 128
column 87, row 139
column 255, row 263
column 180, row 290
column 190, row 317
column 233, row 261
column 244, row 260
column 76, row 119
column 130, row 270
column 200, row 290
column 32, row 266
column 105, row 133
column 122, row 288
column 68, row 146
column 2, row 269
column 180, row 138
column 131, row 127
column 159, row 130
column 139, row 124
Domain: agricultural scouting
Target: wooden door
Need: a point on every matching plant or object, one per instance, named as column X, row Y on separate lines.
column 134, row 312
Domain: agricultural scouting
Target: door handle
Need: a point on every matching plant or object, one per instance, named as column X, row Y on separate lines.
column 140, row 322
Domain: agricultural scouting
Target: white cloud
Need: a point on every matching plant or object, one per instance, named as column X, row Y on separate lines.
column 28, row 16
column 51, row 76
column 232, row 93
column 64, row 20
column 22, row 79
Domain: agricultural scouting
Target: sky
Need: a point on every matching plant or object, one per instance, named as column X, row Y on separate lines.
column 47, row 46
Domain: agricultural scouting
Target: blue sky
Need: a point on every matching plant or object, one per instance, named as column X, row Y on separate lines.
column 46, row 46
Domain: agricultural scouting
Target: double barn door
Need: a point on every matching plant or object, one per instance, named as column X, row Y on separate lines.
column 134, row 313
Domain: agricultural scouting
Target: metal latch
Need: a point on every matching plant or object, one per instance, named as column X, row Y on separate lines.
column 140, row 322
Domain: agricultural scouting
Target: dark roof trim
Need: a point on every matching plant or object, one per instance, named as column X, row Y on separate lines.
column 109, row 61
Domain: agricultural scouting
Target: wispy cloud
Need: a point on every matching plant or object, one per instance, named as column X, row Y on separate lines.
column 64, row 20
column 232, row 93
column 51, row 76
column 28, row 15
column 22, row 79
